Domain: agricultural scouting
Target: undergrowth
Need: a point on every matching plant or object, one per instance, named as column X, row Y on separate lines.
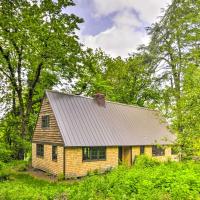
column 147, row 179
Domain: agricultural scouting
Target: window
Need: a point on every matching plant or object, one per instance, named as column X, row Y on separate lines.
column 141, row 150
column 54, row 153
column 45, row 121
column 158, row 151
column 174, row 150
column 94, row 153
column 40, row 150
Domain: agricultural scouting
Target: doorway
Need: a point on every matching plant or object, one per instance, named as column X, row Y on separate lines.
column 119, row 155
column 125, row 155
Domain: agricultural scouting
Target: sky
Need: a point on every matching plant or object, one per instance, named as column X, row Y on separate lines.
column 117, row 26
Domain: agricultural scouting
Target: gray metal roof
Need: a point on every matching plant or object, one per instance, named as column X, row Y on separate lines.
column 82, row 122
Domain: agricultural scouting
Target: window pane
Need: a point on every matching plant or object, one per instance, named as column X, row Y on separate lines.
column 158, row 151
column 86, row 153
column 102, row 153
column 174, row 150
column 141, row 150
column 40, row 150
column 45, row 121
column 94, row 153
column 54, row 152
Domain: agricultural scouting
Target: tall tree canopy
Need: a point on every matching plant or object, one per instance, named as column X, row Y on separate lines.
column 38, row 48
column 175, row 46
column 129, row 81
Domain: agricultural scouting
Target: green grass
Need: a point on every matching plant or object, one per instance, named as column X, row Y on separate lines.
column 145, row 180
column 23, row 186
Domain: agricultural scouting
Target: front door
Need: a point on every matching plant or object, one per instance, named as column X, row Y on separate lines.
column 126, row 155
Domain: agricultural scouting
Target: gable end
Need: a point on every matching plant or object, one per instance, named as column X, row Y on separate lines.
column 51, row 134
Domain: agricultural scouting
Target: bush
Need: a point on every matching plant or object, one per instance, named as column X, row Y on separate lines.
column 22, row 166
column 5, row 174
column 17, row 165
column 145, row 161
column 2, row 165
column 8, row 169
column 61, row 177
column 5, row 154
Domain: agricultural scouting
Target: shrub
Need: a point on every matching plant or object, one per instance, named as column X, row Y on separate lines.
column 145, row 161
column 96, row 172
column 107, row 170
column 17, row 165
column 5, row 174
column 22, row 167
column 90, row 173
column 5, row 154
column 2, row 165
column 61, row 177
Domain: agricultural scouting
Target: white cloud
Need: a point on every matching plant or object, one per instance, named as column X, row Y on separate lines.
column 126, row 18
column 119, row 40
column 148, row 10
column 127, row 32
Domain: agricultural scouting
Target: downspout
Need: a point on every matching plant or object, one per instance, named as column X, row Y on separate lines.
column 64, row 161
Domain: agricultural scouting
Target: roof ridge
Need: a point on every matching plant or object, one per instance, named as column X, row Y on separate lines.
column 108, row 101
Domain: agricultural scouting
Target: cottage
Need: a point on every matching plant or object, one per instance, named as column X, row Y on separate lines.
column 76, row 134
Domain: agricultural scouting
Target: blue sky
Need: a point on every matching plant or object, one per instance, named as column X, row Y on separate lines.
column 117, row 26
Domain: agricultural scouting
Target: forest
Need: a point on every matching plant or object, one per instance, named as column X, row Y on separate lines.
column 40, row 49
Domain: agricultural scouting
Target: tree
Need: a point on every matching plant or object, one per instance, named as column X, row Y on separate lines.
column 127, row 81
column 190, row 101
column 175, row 48
column 38, row 48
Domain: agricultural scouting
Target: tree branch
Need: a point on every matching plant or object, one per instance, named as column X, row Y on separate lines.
column 32, row 88
column 12, row 74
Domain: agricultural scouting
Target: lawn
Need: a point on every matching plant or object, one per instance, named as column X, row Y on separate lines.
column 147, row 179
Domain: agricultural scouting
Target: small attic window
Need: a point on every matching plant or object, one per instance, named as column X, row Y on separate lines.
column 45, row 121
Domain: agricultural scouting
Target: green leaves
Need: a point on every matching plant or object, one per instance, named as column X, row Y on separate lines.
column 38, row 48
column 155, row 181
column 174, row 47
column 127, row 81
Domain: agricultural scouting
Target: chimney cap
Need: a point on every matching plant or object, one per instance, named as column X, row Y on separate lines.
column 100, row 99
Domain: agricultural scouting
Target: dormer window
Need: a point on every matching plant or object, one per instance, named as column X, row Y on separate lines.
column 45, row 121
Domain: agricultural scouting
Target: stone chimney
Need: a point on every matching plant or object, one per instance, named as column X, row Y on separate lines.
column 100, row 99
